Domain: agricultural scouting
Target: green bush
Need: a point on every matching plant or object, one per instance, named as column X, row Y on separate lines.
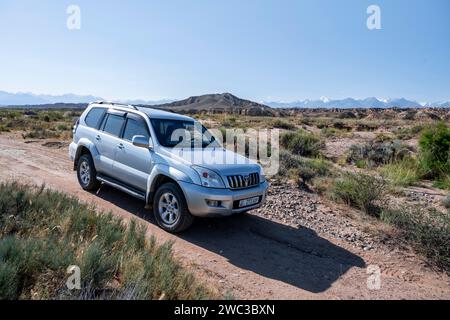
column 43, row 232
column 442, row 182
column 334, row 133
column 303, row 168
column 378, row 153
column 435, row 150
column 361, row 191
column 63, row 127
column 406, row 133
column 281, row 124
column 427, row 231
column 302, row 143
column 361, row 164
column 402, row 173
column 229, row 122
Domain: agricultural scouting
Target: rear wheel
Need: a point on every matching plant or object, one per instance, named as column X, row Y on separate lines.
column 87, row 176
column 170, row 209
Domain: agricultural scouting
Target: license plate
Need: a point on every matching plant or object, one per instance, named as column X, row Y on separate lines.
column 248, row 202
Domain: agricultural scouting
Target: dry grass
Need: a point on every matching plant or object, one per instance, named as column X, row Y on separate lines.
column 39, row 124
column 43, row 232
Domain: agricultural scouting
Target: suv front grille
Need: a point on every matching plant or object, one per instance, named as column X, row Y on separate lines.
column 243, row 181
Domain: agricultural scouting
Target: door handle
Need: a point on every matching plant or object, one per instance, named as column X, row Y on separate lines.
column 98, row 138
column 121, row 146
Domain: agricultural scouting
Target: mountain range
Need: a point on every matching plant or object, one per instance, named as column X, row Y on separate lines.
column 25, row 98
column 357, row 103
column 217, row 101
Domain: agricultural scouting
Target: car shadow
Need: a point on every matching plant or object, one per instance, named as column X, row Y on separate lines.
column 296, row 256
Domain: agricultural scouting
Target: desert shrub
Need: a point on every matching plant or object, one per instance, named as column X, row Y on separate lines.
column 341, row 126
column 41, row 133
column 361, row 191
column 281, row 124
column 435, row 150
column 302, row 143
column 51, row 116
column 305, row 169
column 383, row 137
column 427, row 231
column 333, row 132
column 307, row 121
column 376, row 154
column 402, row 173
column 366, row 127
column 361, row 164
column 70, row 115
column 406, row 133
column 63, row 127
column 410, row 115
column 11, row 114
column 347, row 115
column 229, row 122
column 442, row 182
column 42, row 232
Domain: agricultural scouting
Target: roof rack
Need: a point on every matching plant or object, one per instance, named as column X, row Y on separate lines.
column 116, row 104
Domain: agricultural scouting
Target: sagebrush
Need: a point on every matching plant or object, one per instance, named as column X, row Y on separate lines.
column 43, row 232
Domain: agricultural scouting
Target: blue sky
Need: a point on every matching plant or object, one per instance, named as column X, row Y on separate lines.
column 256, row 49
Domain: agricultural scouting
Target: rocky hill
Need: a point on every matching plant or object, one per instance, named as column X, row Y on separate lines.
column 217, row 104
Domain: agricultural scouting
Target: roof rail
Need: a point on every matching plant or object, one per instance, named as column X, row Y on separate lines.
column 116, row 104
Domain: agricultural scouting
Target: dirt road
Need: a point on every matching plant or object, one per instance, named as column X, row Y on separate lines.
column 250, row 256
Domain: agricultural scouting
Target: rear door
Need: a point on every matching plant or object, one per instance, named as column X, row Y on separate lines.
column 89, row 129
column 133, row 164
column 108, row 140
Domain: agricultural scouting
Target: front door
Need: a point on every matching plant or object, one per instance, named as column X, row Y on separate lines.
column 133, row 164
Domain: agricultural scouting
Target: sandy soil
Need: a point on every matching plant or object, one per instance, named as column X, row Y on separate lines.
column 251, row 256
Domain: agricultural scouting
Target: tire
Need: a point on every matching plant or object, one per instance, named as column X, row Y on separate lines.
column 170, row 209
column 86, row 173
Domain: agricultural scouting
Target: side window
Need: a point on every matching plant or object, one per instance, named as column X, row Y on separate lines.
column 135, row 127
column 113, row 124
column 94, row 116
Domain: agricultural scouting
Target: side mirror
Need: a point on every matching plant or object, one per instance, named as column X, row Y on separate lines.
column 142, row 142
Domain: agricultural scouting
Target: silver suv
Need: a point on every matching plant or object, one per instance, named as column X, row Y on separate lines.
column 139, row 151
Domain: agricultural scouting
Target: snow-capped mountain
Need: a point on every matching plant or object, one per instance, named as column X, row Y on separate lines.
column 440, row 104
column 371, row 102
column 25, row 98
column 21, row 98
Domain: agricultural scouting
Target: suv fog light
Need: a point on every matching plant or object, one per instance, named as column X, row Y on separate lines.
column 214, row 203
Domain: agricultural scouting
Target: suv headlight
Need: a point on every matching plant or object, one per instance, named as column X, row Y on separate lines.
column 262, row 176
column 209, row 178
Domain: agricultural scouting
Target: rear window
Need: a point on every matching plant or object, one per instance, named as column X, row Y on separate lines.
column 114, row 124
column 94, row 116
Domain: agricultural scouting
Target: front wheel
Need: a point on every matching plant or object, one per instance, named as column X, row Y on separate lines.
column 170, row 209
column 86, row 173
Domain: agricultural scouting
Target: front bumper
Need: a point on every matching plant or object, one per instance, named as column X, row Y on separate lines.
column 197, row 197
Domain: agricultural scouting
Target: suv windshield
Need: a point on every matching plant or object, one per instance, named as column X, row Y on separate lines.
column 182, row 134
